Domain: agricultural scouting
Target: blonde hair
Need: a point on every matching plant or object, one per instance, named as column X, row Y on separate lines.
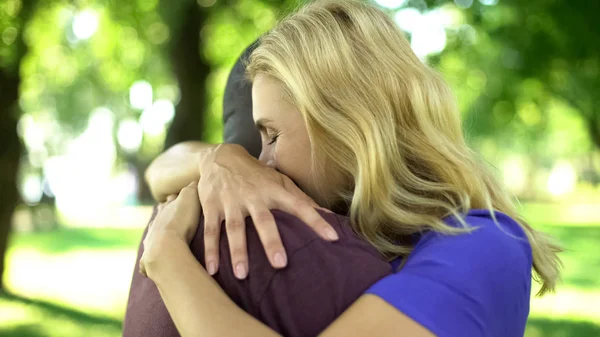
column 387, row 124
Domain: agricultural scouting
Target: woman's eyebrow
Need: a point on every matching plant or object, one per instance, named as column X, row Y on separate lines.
column 263, row 123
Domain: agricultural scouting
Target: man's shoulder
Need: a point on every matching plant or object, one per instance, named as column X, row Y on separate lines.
column 296, row 234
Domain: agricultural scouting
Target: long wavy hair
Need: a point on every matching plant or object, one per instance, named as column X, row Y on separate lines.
column 387, row 124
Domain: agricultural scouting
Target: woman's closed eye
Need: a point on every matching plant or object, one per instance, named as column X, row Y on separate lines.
column 273, row 139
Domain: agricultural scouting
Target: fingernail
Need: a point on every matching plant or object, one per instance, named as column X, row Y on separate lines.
column 331, row 234
column 280, row 260
column 240, row 271
column 211, row 268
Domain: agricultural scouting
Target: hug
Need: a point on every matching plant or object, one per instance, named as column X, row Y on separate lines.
column 352, row 207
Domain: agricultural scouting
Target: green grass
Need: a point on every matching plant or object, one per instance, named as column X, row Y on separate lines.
column 74, row 282
column 68, row 282
column 578, row 295
column 72, row 239
column 581, row 244
column 544, row 327
column 23, row 317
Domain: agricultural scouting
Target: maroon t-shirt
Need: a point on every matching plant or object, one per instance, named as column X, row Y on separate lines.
column 321, row 280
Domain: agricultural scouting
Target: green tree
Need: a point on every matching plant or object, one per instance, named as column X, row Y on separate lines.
column 14, row 15
column 191, row 71
column 526, row 75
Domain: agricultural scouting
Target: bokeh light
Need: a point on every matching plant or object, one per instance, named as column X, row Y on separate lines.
column 32, row 190
column 429, row 39
column 154, row 118
column 514, row 174
column 391, row 3
column 562, row 179
column 140, row 95
column 9, row 35
column 427, row 30
column 408, row 19
column 463, row 3
column 130, row 135
column 85, row 24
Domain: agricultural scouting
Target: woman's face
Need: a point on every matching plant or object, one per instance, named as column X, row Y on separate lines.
column 285, row 143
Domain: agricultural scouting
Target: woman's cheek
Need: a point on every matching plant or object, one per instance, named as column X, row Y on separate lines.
column 289, row 160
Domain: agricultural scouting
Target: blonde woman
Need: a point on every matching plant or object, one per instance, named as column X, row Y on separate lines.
column 352, row 121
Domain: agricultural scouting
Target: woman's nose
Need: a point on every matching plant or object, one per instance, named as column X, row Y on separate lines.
column 267, row 159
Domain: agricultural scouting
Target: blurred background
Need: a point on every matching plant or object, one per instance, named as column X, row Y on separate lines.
column 92, row 90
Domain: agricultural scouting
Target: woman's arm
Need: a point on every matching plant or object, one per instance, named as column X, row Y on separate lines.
column 199, row 307
column 372, row 316
column 173, row 169
column 197, row 304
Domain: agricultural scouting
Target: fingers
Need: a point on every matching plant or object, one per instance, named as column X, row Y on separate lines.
column 189, row 199
column 305, row 212
column 167, row 201
column 142, row 270
column 303, row 207
column 188, row 196
column 326, row 210
column 236, row 236
column 269, row 235
column 212, row 234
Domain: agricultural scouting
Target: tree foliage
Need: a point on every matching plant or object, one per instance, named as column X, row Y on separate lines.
column 525, row 72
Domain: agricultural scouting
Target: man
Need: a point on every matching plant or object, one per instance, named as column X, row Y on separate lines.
column 299, row 300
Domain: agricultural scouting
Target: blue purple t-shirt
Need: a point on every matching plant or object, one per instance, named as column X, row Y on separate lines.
column 475, row 284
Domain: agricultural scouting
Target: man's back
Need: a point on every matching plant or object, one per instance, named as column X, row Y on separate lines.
column 321, row 280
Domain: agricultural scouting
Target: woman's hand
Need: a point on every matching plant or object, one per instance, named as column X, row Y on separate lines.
column 177, row 218
column 233, row 185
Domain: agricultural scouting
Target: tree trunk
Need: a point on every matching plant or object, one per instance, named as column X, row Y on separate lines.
column 10, row 144
column 191, row 71
column 144, row 195
column 594, row 128
column 10, row 152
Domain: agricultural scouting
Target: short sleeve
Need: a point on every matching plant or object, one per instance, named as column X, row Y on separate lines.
column 473, row 284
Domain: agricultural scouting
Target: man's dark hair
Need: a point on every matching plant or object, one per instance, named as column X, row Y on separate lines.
column 238, row 125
